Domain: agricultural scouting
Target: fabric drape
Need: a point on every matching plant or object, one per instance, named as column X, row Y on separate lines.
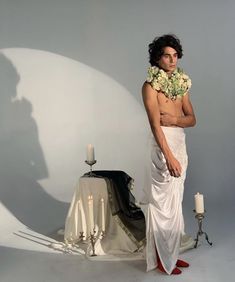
column 164, row 218
column 122, row 203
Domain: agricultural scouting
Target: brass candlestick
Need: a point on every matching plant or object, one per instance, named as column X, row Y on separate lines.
column 90, row 163
column 92, row 238
column 199, row 217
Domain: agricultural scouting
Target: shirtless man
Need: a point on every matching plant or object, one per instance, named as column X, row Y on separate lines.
column 168, row 113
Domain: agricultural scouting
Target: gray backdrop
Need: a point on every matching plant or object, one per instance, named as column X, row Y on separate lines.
column 112, row 36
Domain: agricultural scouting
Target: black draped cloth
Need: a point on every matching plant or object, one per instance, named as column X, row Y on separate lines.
column 122, row 203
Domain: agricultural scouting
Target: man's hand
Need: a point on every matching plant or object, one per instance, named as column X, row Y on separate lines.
column 167, row 119
column 174, row 167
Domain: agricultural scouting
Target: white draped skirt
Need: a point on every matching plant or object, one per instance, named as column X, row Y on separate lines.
column 164, row 218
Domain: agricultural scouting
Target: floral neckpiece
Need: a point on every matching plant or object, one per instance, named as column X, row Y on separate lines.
column 172, row 86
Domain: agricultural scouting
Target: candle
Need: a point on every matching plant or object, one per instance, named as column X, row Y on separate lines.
column 90, row 153
column 102, row 215
column 91, row 213
column 199, row 203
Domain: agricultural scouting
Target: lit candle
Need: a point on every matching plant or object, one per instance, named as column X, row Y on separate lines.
column 102, row 215
column 91, row 212
column 90, row 153
column 199, row 203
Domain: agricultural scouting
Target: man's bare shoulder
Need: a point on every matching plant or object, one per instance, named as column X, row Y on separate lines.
column 147, row 89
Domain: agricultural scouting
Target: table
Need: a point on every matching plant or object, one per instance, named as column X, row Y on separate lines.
column 116, row 240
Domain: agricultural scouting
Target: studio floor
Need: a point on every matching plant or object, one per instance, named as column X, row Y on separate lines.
column 207, row 263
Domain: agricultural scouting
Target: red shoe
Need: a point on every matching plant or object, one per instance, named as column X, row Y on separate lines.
column 175, row 271
column 181, row 263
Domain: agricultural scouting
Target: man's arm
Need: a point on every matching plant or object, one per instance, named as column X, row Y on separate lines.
column 152, row 108
column 187, row 120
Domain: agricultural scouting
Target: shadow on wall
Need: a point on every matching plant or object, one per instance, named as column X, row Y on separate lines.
column 22, row 161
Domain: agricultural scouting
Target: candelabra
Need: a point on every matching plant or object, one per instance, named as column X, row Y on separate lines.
column 90, row 163
column 199, row 217
column 92, row 239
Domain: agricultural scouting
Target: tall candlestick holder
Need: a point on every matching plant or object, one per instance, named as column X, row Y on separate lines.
column 199, row 217
column 90, row 163
column 92, row 239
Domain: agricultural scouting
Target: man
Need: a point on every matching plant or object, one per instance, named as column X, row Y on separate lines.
column 167, row 103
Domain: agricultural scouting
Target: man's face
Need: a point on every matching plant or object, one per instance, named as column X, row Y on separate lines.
column 168, row 61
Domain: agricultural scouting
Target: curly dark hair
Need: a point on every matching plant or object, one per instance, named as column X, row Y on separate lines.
column 156, row 48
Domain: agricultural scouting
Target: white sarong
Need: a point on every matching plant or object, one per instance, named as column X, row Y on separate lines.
column 164, row 218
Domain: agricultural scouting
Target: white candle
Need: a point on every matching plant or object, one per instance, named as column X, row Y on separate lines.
column 199, row 203
column 90, row 153
column 102, row 215
column 91, row 213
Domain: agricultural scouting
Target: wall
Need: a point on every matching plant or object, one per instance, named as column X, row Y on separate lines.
column 71, row 74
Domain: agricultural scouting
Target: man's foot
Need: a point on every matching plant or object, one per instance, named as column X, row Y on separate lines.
column 175, row 271
column 181, row 263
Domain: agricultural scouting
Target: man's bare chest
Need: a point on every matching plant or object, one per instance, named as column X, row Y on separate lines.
column 170, row 106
